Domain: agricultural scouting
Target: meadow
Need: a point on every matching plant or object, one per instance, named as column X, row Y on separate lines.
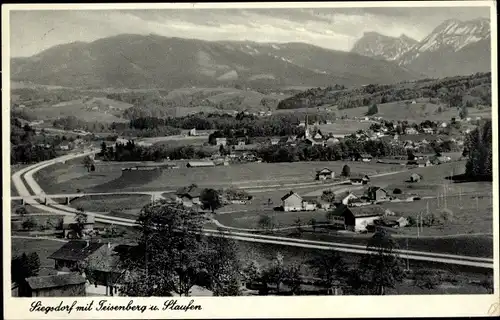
column 108, row 175
column 111, row 203
column 420, row 111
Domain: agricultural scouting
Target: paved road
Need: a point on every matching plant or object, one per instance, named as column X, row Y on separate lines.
column 342, row 247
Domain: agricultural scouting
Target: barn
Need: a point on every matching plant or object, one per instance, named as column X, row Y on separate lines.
column 356, row 218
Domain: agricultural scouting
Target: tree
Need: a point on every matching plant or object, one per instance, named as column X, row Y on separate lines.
column 426, row 279
column 29, row 223
column 104, row 149
column 464, row 112
column 382, row 268
column 24, row 266
column 80, row 221
column 346, row 171
column 276, row 273
column 373, row 109
column 222, row 266
column 252, row 272
column 298, row 226
column 169, row 255
column 313, row 224
column 293, row 278
column 88, row 163
column 479, row 146
column 21, row 211
column 331, row 268
column 210, row 199
column 266, row 222
column 328, row 196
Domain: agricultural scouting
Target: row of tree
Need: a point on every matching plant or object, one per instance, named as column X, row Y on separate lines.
column 29, row 147
column 171, row 257
column 133, row 152
column 478, row 148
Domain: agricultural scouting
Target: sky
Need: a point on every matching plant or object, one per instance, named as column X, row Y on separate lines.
column 334, row 28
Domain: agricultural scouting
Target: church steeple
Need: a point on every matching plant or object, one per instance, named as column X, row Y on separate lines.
column 307, row 134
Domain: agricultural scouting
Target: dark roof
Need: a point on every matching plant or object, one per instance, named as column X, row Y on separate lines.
column 374, row 189
column 324, row 169
column 358, row 212
column 286, row 196
column 191, row 191
column 76, row 250
column 55, row 281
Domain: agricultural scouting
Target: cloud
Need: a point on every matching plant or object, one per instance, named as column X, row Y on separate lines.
column 334, row 28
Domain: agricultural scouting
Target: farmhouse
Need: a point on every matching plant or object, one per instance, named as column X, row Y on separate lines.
column 356, row 218
column 292, row 202
column 69, row 223
column 376, row 194
column 274, row 141
column 325, row 174
column 189, row 196
column 73, row 252
column 359, row 179
column 315, row 202
column 61, row 285
column 192, row 132
column 200, row 164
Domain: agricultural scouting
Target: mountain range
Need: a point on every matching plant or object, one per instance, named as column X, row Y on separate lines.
column 136, row 61
column 153, row 61
column 452, row 48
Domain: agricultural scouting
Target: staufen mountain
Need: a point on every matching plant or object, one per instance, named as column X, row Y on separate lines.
column 453, row 48
column 379, row 46
column 145, row 61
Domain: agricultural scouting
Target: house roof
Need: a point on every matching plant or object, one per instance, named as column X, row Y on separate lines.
column 200, row 163
column 359, row 212
column 324, row 170
column 191, row 191
column 375, row 188
column 286, row 196
column 55, row 281
column 76, row 250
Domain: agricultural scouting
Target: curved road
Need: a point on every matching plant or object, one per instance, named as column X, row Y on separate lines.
column 52, row 207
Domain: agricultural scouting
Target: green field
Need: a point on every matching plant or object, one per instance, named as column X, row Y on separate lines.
column 418, row 112
column 89, row 109
column 43, row 248
column 108, row 176
column 111, row 203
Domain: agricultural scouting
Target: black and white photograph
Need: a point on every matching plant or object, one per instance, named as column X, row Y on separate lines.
column 250, row 151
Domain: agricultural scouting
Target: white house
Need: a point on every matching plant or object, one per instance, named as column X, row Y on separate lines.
column 291, row 202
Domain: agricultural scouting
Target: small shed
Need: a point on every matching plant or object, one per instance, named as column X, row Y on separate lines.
column 61, row 285
column 200, row 164
column 415, row 177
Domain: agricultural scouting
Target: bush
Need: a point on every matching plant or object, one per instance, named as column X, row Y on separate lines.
column 29, row 223
column 397, row 191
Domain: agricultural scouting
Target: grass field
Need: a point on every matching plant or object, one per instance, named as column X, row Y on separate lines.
column 418, row 112
column 43, row 248
column 108, row 176
column 91, row 109
column 111, row 203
